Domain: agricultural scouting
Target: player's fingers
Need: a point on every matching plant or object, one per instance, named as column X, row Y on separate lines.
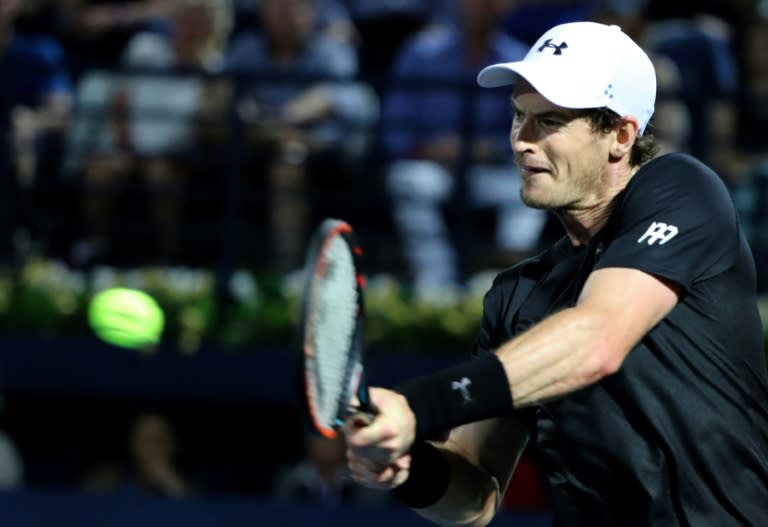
column 359, row 420
column 364, row 461
column 363, row 476
column 403, row 462
column 380, row 446
column 394, row 478
column 378, row 431
column 385, row 475
column 360, row 472
column 385, row 478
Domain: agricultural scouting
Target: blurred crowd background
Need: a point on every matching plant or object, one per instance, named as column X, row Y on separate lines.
column 214, row 134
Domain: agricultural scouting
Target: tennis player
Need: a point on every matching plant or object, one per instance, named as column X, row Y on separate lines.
column 628, row 356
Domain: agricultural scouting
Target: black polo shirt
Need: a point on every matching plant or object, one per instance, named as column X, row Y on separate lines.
column 679, row 435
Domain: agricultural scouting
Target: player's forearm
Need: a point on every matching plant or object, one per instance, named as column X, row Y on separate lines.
column 463, row 479
column 567, row 351
column 471, row 499
column 570, row 350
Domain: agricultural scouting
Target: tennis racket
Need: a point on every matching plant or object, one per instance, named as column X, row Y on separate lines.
column 331, row 331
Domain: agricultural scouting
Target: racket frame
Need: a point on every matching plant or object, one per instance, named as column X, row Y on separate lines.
column 354, row 383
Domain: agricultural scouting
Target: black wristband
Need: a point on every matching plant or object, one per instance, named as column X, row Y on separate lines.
column 428, row 479
column 471, row 391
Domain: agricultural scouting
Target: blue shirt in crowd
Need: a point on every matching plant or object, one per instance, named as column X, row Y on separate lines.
column 414, row 116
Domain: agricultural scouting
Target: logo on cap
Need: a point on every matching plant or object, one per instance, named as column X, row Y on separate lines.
column 557, row 47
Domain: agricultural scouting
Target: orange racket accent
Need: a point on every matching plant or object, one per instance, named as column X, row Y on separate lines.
column 320, row 269
column 325, row 431
column 364, row 414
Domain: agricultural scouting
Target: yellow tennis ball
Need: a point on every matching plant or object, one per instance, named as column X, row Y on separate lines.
column 128, row 318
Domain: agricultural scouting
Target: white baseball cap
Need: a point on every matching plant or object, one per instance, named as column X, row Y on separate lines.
column 585, row 65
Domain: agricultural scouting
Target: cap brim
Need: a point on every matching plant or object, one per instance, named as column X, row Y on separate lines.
column 548, row 82
column 497, row 75
column 507, row 73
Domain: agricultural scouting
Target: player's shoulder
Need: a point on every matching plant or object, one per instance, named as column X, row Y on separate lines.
column 676, row 168
column 531, row 269
column 677, row 181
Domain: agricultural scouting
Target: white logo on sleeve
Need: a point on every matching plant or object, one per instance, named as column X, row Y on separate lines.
column 658, row 232
column 463, row 387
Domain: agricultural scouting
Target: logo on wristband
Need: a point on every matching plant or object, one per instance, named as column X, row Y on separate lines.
column 463, row 387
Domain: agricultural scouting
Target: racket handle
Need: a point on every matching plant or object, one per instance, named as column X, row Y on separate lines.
column 361, row 419
column 362, row 416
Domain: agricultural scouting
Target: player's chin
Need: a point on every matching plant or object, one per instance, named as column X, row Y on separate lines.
column 535, row 197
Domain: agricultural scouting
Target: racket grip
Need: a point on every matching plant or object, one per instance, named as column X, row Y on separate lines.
column 361, row 419
column 363, row 415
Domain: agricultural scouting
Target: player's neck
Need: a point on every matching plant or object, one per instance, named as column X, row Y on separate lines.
column 582, row 226
column 583, row 223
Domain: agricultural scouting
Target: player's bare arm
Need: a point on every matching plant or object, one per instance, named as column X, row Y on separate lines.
column 580, row 345
column 569, row 350
column 482, row 457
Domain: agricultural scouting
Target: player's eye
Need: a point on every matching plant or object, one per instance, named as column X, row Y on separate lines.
column 549, row 122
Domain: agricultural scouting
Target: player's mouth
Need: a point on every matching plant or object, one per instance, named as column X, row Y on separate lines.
column 532, row 170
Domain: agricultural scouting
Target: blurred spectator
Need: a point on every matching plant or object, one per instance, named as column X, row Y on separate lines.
column 671, row 121
column 446, row 139
column 743, row 155
column 35, row 101
column 527, row 20
column 704, row 44
column 749, row 188
column 152, row 467
column 321, row 478
column 94, row 33
column 383, row 26
column 332, row 18
column 304, row 112
column 752, row 100
column 11, row 466
column 734, row 15
column 153, row 126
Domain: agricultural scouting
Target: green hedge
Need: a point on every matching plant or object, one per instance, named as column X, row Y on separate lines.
column 46, row 297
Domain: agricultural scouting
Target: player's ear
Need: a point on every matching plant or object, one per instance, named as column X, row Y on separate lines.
column 626, row 133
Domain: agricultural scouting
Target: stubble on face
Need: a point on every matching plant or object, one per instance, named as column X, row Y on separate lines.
column 573, row 187
column 572, row 161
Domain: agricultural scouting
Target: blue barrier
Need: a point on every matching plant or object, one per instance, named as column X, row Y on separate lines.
column 84, row 365
column 40, row 508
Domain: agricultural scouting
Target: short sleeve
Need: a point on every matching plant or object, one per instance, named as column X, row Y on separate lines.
column 486, row 340
column 509, row 292
column 676, row 221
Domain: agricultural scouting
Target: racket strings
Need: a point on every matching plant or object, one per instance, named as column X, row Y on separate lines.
column 332, row 321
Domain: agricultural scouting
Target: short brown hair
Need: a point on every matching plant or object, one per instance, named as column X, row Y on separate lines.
column 604, row 120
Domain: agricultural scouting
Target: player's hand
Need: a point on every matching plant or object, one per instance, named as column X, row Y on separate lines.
column 376, row 476
column 388, row 438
